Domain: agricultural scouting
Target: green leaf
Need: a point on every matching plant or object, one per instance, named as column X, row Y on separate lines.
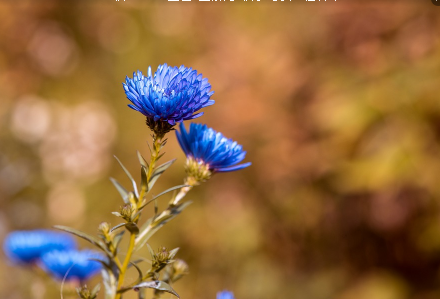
column 143, row 162
column 173, row 252
column 117, row 214
column 149, row 147
column 162, row 193
column 96, row 289
column 158, row 172
column 84, row 236
column 121, row 190
column 139, row 272
column 129, row 176
column 110, row 284
column 117, row 239
column 144, row 182
column 160, row 169
column 150, row 250
column 160, row 156
column 117, row 226
column 154, row 224
column 158, row 285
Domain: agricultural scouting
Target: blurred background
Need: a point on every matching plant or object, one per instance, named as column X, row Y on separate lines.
column 336, row 104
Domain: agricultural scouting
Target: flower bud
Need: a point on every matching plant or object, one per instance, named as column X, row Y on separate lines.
column 180, row 268
column 104, row 228
column 127, row 211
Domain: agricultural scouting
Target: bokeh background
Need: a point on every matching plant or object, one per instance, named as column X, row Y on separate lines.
column 337, row 105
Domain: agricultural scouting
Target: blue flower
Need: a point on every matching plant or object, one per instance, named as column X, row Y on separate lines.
column 172, row 95
column 210, row 148
column 28, row 246
column 72, row 264
column 225, row 295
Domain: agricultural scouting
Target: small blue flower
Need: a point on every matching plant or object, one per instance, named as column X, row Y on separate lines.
column 208, row 147
column 172, row 95
column 72, row 264
column 225, row 295
column 25, row 247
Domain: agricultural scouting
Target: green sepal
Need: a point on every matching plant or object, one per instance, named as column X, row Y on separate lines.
column 158, row 285
column 121, row 190
column 85, row 236
column 129, row 176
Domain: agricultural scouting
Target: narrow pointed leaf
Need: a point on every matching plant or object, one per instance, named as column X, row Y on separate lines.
column 144, row 182
column 117, row 214
column 173, row 252
column 117, row 226
column 139, row 272
column 143, row 162
column 121, row 190
column 96, row 289
column 163, row 193
column 154, row 224
column 160, row 156
column 158, row 172
column 150, row 250
column 149, row 147
column 158, row 285
column 160, row 169
column 129, row 176
column 110, row 284
column 84, row 236
column 117, row 239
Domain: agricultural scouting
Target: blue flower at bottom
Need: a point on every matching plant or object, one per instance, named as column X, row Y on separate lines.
column 225, row 295
column 24, row 247
column 72, row 264
column 211, row 148
column 171, row 95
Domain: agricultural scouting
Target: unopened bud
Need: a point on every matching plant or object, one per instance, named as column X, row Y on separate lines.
column 127, row 211
column 180, row 268
column 104, row 228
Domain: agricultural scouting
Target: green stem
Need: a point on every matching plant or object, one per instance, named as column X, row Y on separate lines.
column 157, row 144
column 125, row 264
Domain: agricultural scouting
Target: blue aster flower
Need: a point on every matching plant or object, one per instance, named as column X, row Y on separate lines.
column 72, row 264
column 212, row 149
column 172, row 95
column 225, row 295
column 24, row 247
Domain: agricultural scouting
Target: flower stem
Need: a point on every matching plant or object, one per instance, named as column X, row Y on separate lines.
column 157, row 144
column 125, row 265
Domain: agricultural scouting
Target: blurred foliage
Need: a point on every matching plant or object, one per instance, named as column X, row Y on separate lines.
column 336, row 104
